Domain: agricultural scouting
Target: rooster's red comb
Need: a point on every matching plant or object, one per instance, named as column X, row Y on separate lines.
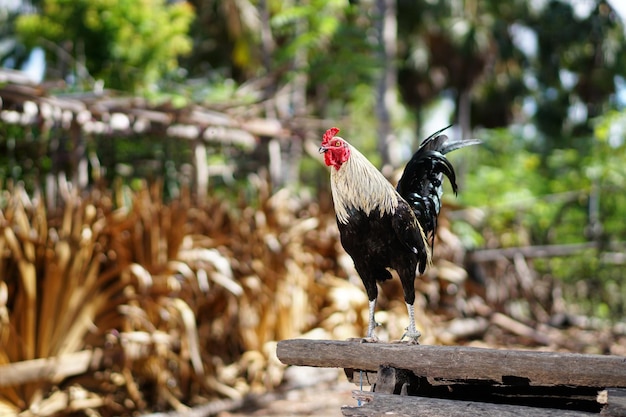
column 330, row 133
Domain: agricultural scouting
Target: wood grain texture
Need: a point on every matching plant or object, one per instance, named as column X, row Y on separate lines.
column 461, row 363
column 615, row 403
column 379, row 405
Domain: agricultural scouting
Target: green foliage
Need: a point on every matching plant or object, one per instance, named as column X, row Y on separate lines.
column 332, row 37
column 308, row 25
column 129, row 44
column 526, row 203
column 11, row 52
column 588, row 52
column 24, row 155
column 28, row 155
column 534, row 182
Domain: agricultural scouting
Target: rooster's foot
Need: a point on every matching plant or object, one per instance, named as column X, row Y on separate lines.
column 412, row 336
column 370, row 339
column 366, row 339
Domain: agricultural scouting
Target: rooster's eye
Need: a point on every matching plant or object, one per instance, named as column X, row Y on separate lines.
column 337, row 143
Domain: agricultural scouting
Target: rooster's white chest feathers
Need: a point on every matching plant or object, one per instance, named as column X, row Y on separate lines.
column 358, row 184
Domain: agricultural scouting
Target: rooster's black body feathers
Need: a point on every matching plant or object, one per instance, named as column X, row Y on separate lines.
column 421, row 182
column 382, row 227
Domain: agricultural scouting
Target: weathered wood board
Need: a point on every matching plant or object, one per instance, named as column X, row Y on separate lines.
column 461, row 363
column 382, row 405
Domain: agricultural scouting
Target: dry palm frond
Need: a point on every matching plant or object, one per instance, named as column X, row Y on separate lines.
column 185, row 300
column 51, row 280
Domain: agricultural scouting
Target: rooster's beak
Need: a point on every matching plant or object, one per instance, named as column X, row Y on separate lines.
column 322, row 149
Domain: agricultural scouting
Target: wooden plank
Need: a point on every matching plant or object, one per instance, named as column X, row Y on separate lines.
column 401, row 382
column 615, row 403
column 529, row 252
column 510, row 367
column 379, row 405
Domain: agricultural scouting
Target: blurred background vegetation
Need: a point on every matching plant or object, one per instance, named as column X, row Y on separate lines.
column 542, row 83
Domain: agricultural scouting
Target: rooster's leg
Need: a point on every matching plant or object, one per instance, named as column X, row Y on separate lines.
column 372, row 322
column 411, row 332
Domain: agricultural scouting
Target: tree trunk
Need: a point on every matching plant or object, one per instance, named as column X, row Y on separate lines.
column 464, row 113
column 290, row 151
column 267, row 52
column 386, row 90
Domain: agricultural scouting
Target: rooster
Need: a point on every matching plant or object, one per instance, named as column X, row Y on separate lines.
column 383, row 227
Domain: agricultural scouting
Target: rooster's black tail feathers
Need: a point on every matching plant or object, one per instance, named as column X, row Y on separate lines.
column 422, row 179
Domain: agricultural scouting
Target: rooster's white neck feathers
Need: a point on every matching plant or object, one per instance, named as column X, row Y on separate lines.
column 354, row 184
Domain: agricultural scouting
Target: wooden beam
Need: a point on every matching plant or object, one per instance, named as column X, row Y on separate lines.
column 508, row 367
column 615, row 403
column 546, row 251
column 382, row 405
